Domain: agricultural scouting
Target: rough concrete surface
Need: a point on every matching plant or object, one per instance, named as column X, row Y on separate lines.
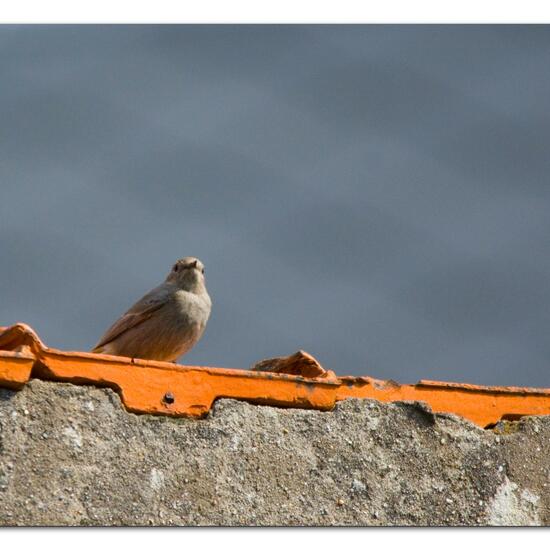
column 71, row 455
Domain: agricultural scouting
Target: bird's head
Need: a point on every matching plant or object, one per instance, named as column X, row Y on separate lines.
column 188, row 274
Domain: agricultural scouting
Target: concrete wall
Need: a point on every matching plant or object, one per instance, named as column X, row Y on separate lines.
column 71, row 455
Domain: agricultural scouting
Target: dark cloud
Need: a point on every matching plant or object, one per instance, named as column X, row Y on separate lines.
column 375, row 195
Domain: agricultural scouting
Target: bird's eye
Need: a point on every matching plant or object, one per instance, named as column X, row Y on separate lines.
column 176, row 267
column 202, row 270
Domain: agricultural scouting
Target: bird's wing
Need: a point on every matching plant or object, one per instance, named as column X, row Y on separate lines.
column 137, row 314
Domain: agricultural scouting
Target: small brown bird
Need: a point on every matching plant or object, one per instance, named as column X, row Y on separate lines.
column 167, row 322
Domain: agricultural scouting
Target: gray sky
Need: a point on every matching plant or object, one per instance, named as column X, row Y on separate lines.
column 375, row 195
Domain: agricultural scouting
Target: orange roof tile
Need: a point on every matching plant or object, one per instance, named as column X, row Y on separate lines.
column 158, row 387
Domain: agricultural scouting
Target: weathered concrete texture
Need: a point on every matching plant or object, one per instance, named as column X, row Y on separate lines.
column 72, row 455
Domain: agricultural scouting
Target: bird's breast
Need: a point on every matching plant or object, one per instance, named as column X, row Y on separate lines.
column 192, row 308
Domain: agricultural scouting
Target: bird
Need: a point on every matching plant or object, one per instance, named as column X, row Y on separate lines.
column 167, row 322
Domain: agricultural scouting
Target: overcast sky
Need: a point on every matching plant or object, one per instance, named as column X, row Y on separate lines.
column 378, row 196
